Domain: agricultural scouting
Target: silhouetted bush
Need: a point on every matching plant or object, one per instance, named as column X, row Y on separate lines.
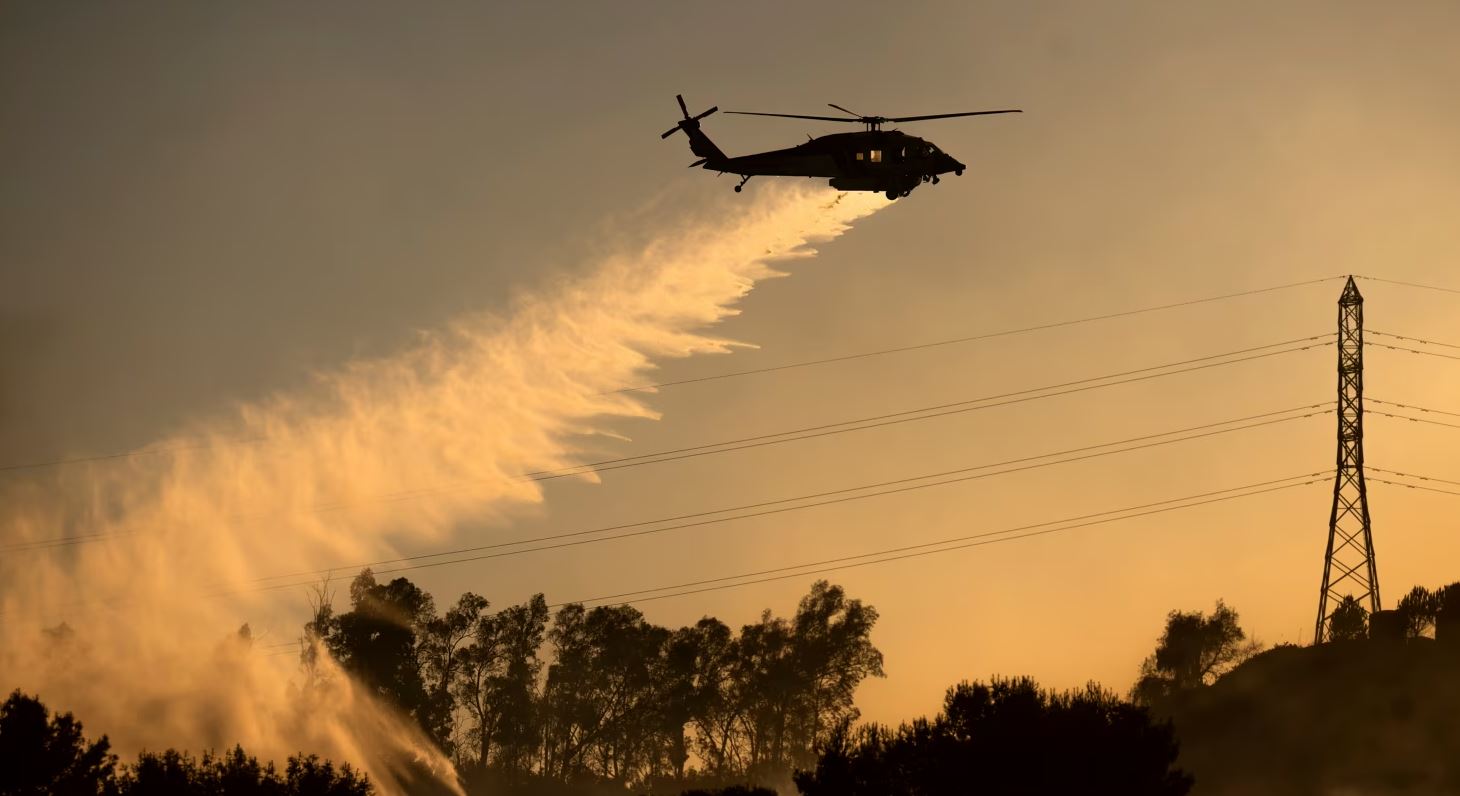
column 1193, row 651
column 733, row 790
column 45, row 755
column 1007, row 737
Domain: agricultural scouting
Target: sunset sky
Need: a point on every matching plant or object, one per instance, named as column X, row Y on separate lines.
column 202, row 207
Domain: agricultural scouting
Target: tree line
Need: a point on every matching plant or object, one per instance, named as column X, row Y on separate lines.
column 539, row 700
column 1195, row 649
column 536, row 700
column 45, row 754
column 524, row 696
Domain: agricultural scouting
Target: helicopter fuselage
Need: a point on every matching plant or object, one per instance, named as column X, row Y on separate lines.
column 874, row 160
column 887, row 161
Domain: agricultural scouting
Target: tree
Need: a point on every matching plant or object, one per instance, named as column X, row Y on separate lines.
column 236, row 773
column 598, row 697
column 624, row 702
column 1194, row 650
column 496, row 685
column 1418, row 609
column 794, row 681
column 676, row 700
column 443, row 653
column 310, row 776
column 1447, row 600
column 47, row 755
column 1006, row 737
column 376, row 642
column 715, row 714
column 1349, row 622
column 834, row 653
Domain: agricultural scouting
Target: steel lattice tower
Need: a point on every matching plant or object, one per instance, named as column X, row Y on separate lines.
column 1348, row 567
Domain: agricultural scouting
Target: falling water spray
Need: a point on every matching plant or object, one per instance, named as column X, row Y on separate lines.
column 152, row 657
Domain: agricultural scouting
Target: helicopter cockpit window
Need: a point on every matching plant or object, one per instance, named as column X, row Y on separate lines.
column 861, row 156
column 876, row 156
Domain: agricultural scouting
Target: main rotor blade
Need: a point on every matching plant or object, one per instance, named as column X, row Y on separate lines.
column 843, row 110
column 682, row 107
column 796, row 116
column 949, row 115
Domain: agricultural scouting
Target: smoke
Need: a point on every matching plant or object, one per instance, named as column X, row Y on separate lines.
column 154, row 660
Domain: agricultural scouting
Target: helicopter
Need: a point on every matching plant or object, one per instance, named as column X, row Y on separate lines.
column 887, row 161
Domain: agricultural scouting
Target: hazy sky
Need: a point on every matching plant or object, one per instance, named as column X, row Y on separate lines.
column 203, row 205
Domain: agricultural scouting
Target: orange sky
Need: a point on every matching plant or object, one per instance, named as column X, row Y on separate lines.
column 204, row 208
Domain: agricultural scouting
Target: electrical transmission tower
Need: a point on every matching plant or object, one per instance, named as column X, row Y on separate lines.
column 1348, row 566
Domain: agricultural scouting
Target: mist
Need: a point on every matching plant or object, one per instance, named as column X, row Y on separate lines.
column 151, row 560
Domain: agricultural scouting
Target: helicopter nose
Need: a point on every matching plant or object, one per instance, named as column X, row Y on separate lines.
column 950, row 164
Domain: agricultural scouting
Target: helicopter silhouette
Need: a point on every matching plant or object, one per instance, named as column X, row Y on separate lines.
column 886, row 161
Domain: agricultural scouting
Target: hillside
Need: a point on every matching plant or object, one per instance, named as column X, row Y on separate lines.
column 1343, row 718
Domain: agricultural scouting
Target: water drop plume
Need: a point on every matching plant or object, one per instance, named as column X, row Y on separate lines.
column 305, row 479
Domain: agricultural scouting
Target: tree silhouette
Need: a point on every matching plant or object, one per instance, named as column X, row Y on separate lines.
column 715, row 711
column 47, row 755
column 1007, row 737
column 625, row 703
column 443, row 652
column 1417, row 609
column 496, row 685
column 235, row 773
column 834, row 654
column 376, row 642
column 1447, row 608
column 1194, row 650
column 598, row 698
column 1350, row 621
column 793, row 680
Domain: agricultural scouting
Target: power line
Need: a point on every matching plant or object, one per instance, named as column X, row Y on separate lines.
column 1408, row 284
column 1416, row 486
column 972, row 338
column 1412, row 350
column 904, row 416
column 1413, row 339
column 123, row 455
column 62, row 541
column 824, row 430
column 893, row 553
column 772, row 369
column 1412, row 419
column 799, row 498
column 1411, row 475
column 1413, row 407
column 834, row 497
column 944, row 545
column 811, row 500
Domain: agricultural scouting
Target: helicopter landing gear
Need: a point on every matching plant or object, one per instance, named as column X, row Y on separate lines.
column 958, row 173
column 743, row 181
column 892, row 195
column 935, row 179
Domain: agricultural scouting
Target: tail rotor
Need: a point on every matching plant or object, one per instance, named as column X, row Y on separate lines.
column 688, row 122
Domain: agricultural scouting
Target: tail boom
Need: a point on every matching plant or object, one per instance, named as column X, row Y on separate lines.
column 699, row 143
